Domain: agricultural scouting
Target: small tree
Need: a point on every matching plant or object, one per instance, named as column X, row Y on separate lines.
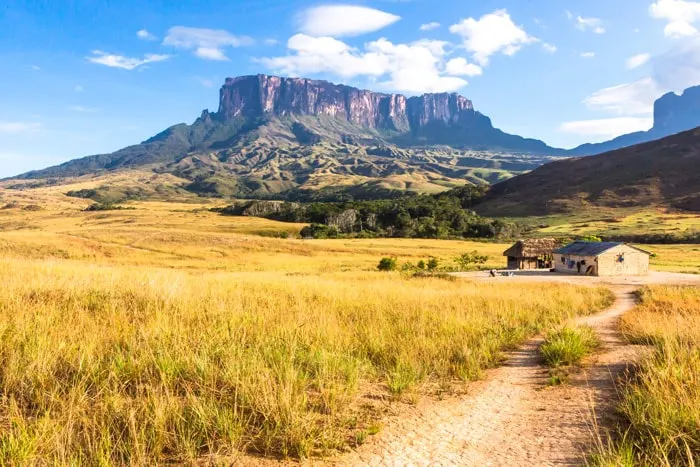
column 590, row 238
column 387, row 264
column 421, row 264
column 433, row 264
column 467, row 260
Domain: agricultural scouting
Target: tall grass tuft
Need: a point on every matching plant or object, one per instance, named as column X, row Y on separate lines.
column 661, row 402
column 568, row 346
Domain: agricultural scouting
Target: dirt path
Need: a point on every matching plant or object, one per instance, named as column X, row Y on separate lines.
column 513, row 417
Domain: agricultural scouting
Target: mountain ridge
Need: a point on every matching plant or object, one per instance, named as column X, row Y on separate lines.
column 673, row 113
column 655, row 173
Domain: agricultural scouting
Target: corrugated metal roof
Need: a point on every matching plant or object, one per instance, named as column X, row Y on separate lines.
column 587, row 248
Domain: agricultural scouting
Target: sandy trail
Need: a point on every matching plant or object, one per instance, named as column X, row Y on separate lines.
column 513, row 417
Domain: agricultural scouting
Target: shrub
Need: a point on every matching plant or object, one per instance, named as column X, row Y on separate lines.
column 319, row 231
column 433, row 264
column 568, row 346
column 387, row 264
column 467, row 260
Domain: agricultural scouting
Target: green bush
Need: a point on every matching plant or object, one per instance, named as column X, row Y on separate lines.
column 467, row 260
column 433, row 264
column 387, row 264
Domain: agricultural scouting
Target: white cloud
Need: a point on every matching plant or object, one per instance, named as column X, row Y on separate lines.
column 607, row 128
column 429, row 26
column 36, row 68
column 18, row 127
column 460, row 67
column 590, row 24
column 343, row 20
column 79, row 88
column 145, row 35
column 80, row 108
column 208, row 44
column 569, row 15
column 549, row 48
column 588, row 54
column 491, row 34
column 207, row 83
column 414, row 67
column 270, row 41
column 126, row 63
column 635, row 98
column 679, row 67
column 680, row 15
column 637, row 60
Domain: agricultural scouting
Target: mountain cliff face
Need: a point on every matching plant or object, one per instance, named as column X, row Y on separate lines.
column 673, row 114
column 274, row 134
column 261, row 95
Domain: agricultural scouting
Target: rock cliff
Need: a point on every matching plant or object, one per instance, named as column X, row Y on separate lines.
column 260, row 95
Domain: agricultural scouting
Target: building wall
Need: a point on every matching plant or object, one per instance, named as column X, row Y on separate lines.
column 564, row 267
column 635, row 262
column 522, row 263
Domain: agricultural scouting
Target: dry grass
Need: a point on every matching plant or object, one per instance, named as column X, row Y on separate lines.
column 661, row 403
column 171, row 334
column 123, row 365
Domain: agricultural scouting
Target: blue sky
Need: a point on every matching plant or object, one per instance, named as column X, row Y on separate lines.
column 88, row 77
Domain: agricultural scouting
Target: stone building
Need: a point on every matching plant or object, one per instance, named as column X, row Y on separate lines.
column 602, row 259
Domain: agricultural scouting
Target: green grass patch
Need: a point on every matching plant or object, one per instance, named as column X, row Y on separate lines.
column 568, row 346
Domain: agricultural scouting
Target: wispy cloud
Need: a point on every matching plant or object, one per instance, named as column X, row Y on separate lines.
column 120, row 61
column 80, row 108
column 429, row 26
column 590, row 24
column 587, row 54
column 146, row 35
column 79, row 88
column 206, row 82
column 607, row 127
column 18, row 127
column 637, row 61
column 549, row 48
column 270, row 41
column 208, row 44
column 636, row 98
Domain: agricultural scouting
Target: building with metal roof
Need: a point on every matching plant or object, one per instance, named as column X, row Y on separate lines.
column 602, row 259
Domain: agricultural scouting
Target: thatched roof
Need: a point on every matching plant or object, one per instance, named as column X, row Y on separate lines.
column 532, row 248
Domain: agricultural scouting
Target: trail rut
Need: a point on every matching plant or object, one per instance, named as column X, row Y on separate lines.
column 513, row 417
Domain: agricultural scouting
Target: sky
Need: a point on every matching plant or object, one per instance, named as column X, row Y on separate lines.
column 88, row 77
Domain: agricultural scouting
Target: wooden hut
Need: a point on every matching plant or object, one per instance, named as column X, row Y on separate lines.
column 602, row 259
column 534, row 253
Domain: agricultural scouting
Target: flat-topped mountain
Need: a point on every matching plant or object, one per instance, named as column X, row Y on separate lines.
column 271, row 136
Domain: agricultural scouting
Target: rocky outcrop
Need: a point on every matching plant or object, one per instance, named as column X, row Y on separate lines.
column 673, row 113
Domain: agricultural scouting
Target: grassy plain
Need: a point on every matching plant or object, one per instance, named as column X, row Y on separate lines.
column 661, row 402
column 167, row 333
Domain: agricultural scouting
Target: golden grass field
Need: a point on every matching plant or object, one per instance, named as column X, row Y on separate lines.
column 661, row 401
column 168, row 333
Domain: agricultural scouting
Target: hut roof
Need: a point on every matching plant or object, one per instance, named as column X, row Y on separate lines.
column 592, row 248
column 532, row 248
